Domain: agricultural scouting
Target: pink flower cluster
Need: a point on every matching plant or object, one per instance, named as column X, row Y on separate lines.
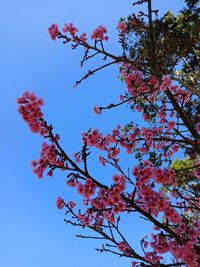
column 53, row 31
column 71, row 204
column 138, row 86
column 97, row 110
column 30, row 110
column 159, row 244
column 171, row 125
column 123, row 247
column 121, row 27
column 95, row 138
column 166, row 83
column 78, row 157
column 86, row 218
column 60, row 203
column 83, row 37
column 88, row 189
column 181, row 95
column 144, row 173
column 70, row 28
column 136, row 82
column 142, row 139
column 133, row 81
column 48, row 156
column 196, row 172
column 111, row 198
column 108, row 201
column 113, row 152
column 153, row 258
column 153, row 81
column 102, row 160
column 165, row 176
column 185, row 252
column 155, row 203
column 100, row 34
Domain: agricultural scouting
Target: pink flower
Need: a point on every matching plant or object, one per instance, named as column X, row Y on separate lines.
column 182, row 227
column 102, row 160
column 30, row 110
column 113, row 152
column 88, row 189
column 97, row 110
column 60, row 203
column 48, row 155
column 71, row 204
column 121, row 97
column 136, row 170
column 166, row 84
column 138, row 108
column 153, row 81
column 100, row 34
column 122, row 246
column 121, row 26
column 192, row 233
column 53, row 31
column 170, row 125
column 70, row 28
column 78, row 157
column 85, row 219
column 196, row 173
column 146, row 117
column 72, row 182
column 80, row 189
column 83, row 37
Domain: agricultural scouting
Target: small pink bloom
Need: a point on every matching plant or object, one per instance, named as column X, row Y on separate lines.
column 170, row 125
column 146, row 117
column 53, row 31
column 70, row 28
column 97, row 110
column 71, row 204
column 166, row 83
column 121, row 98
column 138, row 108
column 196, row 172
column 100, row 34
column 83, row 37
column 30, row 110
column 121, row 26
column 60, row 203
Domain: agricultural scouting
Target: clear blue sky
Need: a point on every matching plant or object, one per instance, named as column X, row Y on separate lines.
column 32, row 231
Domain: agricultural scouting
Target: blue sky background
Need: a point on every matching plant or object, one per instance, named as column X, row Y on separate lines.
column 32, row 231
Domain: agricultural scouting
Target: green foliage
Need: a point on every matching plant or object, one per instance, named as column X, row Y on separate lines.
column 169, row 42
column 184, row 174
column 184, row 169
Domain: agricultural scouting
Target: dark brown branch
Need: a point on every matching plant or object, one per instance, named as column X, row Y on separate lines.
column 151, row 35
column 90, row 237
column 152, row 219
column 91, row 72
column 129, row 201
column 183, row 116
column 103, row 52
